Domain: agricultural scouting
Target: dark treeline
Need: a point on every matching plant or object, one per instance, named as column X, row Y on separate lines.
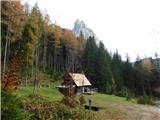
column 110, row 74
column 47, row 47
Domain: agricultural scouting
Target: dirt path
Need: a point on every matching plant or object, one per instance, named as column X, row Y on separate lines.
column 149, row 113
column 117, row 108
column 129, row 112
column 141, row 112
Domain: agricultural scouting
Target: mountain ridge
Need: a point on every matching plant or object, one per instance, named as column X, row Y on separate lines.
column 81, row 28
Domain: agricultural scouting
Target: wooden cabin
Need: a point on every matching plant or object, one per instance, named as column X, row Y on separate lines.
column 72, row 82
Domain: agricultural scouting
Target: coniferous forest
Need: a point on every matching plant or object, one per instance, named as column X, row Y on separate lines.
column 32, row 46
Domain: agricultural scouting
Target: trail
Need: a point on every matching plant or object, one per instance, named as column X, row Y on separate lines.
column 141, row 112
column 130, row 112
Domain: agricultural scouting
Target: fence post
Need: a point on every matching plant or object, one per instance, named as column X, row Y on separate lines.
column 90, row 103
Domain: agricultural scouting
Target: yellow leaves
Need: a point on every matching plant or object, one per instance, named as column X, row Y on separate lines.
column 13, row 15
column 48, row 28
column 58, row 35
column 148, row 65
column 82, row 43
column 29, row 45
column 70, row 39
column 40, row 77
column 11, row 88
column 30, row 53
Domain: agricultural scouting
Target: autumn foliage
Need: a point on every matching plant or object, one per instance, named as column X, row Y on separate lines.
column 70, row 39
column 12, row 74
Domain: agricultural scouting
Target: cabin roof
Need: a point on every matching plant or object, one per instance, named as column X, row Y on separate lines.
column 80, row 79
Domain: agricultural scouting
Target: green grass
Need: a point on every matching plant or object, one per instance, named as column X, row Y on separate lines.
column 108, row 104
column 99, row 98
column 51, row 94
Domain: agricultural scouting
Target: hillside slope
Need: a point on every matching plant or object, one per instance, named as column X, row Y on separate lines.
column 111, row 107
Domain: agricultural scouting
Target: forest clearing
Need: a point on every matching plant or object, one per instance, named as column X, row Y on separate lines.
column 52, row 72
column 111, row 107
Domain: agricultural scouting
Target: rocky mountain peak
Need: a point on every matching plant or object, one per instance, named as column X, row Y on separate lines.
column 80, row 26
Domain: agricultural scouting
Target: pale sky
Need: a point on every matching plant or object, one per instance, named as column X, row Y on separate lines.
column 131, row 26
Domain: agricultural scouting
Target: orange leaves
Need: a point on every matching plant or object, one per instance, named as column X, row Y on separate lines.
column 70, row 39
column 30, row 46
column 58, row 35
column 11, row 78
column 14, row 17
column 82, row 43
column 10, row 82
column 15, row 63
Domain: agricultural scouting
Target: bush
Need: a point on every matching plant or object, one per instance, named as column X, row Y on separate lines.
column 55, row 75
column 120, row 93
column 70, row 101
column 41, row 109
column 38, row 107
column 145, row 100
column 67, row 113
column 11, row 107
column 80, row 114
column 62, row 112
column 82, row 100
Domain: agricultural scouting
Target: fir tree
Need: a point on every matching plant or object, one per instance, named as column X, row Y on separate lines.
column 89, row 60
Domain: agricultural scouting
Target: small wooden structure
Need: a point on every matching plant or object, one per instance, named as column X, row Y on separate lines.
column 72, row 82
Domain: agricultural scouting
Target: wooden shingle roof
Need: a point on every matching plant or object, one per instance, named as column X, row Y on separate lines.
column 80, row 79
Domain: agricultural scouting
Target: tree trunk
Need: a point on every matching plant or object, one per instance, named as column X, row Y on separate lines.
column 36, row 62
column 55, row 60
column 33, row 71
column 26, row 74
column 6, row 47
column 44, row 52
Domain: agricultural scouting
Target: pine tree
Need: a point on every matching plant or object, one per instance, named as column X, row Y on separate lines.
column 103, row 74
column 117, row 68
column 128, row 73
column 89, row 60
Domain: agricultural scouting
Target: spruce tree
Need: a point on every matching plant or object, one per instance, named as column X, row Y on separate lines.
column 117, row 70
column 89, row 60
column 103, row 74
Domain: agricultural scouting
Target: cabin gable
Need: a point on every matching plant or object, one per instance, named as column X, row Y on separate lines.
column 71, row 82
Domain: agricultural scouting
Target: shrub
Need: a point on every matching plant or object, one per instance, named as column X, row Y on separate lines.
column 120, row 93
column 80, row 114
column 62, row 112
column 70, row 101
column 82, row 100
column 38, row 107
column 146, row 100
column 41, row 109
column 11, row 108
column 56, row 75
column 67, row 113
